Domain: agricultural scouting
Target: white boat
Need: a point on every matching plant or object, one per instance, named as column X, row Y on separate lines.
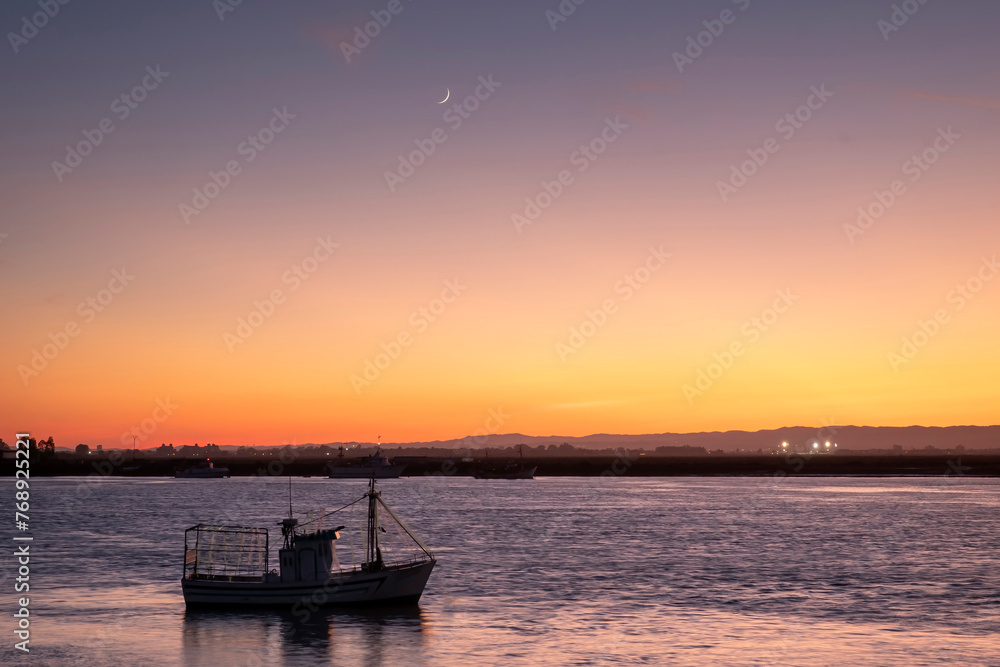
column 204, row 470
column 231, row 565
column 375, row 466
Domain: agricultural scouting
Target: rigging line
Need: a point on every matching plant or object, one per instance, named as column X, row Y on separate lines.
column 333, row 512
column 409, row 532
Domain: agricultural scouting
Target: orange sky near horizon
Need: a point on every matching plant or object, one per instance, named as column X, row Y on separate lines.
column 572, row 325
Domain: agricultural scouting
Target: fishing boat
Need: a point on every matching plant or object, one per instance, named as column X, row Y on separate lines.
column 377, row 465
column 204, row 470
column 511, row 471
column 380, row 561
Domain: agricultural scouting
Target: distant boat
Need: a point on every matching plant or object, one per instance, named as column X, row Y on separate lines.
column 203, row 470
column 376, row 466
column 511, row 471
column 230, row 565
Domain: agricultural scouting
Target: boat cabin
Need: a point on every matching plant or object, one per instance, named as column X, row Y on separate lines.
column 309, row 557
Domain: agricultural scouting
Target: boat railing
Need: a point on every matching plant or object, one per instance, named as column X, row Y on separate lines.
column 232, row 553
column 400, row 561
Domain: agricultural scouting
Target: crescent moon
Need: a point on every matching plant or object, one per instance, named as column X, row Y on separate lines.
column 446, row 97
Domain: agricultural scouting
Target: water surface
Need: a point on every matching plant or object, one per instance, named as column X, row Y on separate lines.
column 561, row 571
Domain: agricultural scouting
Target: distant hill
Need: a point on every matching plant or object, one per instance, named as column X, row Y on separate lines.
column 846, row 437
column 852, row 438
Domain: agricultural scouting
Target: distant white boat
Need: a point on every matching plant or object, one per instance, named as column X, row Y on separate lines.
column 204, row 470
column 231, row 565
column 375, row 466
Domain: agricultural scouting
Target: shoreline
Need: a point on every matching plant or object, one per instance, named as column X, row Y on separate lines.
column 625, row 465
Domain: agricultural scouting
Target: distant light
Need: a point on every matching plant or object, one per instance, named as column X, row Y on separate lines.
column 828, row 444
column 815, row 445
column 784, row 444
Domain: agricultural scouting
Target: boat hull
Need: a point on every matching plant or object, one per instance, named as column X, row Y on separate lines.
column 392, row 585
column 381, row 472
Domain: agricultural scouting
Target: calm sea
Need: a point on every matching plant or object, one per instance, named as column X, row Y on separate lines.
column 561, row 571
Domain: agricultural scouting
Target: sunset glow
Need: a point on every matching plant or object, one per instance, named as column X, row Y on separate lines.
column 583, row 251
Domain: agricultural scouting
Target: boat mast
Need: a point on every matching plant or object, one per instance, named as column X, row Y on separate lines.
column 288, row 525
column 374, row 555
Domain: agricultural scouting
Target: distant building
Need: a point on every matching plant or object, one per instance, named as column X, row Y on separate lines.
column 188, row 451
column 164, row 450
column 83, row 450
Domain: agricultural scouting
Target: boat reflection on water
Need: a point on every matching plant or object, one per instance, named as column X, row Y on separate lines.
column 368, row 635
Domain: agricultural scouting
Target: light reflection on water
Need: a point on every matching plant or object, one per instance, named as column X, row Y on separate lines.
column 558, row 571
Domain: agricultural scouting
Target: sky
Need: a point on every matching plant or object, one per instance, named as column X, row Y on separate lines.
column 255, row 224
